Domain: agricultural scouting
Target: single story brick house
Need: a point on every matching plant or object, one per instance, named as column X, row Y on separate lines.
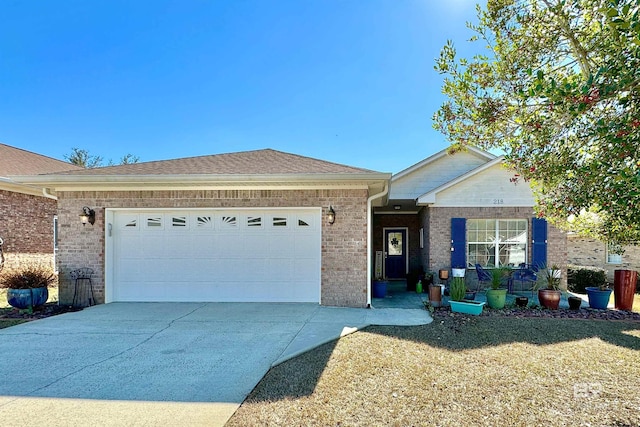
column 271, row 226
column 27, row 213
column 248, row 226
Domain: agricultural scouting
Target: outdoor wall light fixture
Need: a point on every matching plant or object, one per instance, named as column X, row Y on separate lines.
column 88, row 215
column 331, row 216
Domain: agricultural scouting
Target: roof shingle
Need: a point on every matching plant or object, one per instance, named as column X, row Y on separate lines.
column 258, row 162
column 16, row 162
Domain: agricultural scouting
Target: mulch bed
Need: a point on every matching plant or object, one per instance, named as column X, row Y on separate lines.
column 583, row 313
column 47, row 310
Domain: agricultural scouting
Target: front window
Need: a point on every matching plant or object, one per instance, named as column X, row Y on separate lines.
column 614, row 254
column 501, row 240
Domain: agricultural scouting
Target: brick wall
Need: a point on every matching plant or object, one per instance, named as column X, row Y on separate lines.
column 344, row 244
column 439, row 225
column 26, row 226
column 589, row 252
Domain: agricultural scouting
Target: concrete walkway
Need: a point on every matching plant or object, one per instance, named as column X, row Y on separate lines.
column 124, row 364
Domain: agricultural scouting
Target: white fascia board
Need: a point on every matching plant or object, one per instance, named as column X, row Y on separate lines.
column 10, row 185
column 443, row 153
column 430, row 197
column 226, row 182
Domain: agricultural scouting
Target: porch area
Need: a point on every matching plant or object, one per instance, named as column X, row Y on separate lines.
column 397, row 296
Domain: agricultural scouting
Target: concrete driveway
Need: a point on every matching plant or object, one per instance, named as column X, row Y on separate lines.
column 161, row 363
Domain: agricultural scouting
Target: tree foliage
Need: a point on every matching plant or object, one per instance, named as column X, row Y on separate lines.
column 82, row 157
column 558, row 90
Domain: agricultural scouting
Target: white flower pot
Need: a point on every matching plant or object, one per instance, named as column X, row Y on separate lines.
column 458, row 272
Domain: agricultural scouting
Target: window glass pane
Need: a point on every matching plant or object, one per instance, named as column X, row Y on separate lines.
column 179, row 221
column 612, row 256
column 204, row 221
column 490, row 240
column 481, row 253
column 228, row 221
column 512, row 255
column 254, row 221
column 394, row 244
column 154, row 221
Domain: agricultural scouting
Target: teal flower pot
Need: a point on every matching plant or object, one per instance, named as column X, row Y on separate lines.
column 467, row 307
column 25, row 298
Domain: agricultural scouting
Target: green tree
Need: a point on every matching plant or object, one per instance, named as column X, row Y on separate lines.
column 557, row 90
column 83, row 158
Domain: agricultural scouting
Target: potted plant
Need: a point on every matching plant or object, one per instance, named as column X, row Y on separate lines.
column 27, row 287
column 574, row 303
column 548, row 285
column 379, row 288
column 435, row 295
column 458, row 304
column 599, row 295
column 496, row 296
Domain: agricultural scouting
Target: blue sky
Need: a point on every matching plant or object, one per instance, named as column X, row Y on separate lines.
column 349, row 81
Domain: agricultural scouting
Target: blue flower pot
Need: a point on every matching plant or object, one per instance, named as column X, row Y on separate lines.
column 25, row 298
column 598, row 299
column 379, row 289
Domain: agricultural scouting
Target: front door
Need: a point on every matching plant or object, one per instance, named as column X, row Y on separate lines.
column 395, row 249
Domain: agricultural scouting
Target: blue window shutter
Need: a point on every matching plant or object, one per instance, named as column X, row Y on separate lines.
column 459, row 242
column 539, row 242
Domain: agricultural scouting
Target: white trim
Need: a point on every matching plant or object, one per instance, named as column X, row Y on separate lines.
column 384, row 245
column 217, row 208
column 109, row 215
column 10, row 185
column 248, row 187
column 370, row 266
column 55, row 246
column 212, row 179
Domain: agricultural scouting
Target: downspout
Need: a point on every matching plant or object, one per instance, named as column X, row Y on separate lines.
column 45, row 193
column 370, row 238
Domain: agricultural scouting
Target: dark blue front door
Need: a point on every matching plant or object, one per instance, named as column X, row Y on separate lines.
column 395, row 249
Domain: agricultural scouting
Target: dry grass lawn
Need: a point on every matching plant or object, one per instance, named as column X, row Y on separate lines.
column 460, row 372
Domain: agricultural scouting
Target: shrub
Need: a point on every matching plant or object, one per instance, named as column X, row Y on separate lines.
column 28, row 277
column 581, row 277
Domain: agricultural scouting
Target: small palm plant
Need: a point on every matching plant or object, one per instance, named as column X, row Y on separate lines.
column 550, row 278
column 498, row 274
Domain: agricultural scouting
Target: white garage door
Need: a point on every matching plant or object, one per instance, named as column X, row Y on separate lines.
column 214, row 255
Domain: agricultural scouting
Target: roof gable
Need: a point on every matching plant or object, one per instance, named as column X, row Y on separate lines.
column 435, row 171
column 489, row 185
